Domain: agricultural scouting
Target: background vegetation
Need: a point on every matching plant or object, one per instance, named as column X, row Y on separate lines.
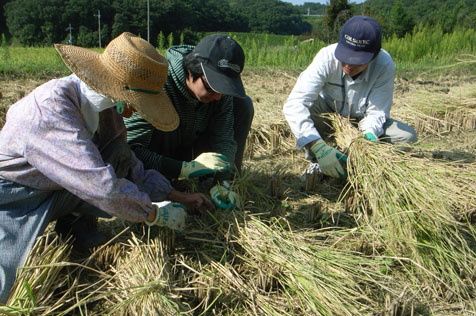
column 44, row 22
column 424, row 49
column 397, row 238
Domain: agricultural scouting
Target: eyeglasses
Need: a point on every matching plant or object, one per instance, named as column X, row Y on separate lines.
column 207, row 87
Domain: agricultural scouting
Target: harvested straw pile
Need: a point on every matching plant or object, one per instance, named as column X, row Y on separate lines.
column 275, row 270
column 416, row 208
column 310, row 270
column 39, row 289
column 434, row 112
column 143, row 282
column 397, row 242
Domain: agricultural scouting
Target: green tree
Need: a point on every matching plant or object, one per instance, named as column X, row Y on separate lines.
column 401, row 23
column 337, row 13
column 161, row 41
column 87, row 38
column 449, row 14
column 83, row 17
column 215, row 15
column 3, row 24
column 35, row 22
column 272, row 16
column 130, row 16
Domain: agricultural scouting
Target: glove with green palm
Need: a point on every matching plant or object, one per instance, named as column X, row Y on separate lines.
column 331, row 161
column 369, row 135
column 204, row 164
column 225, row 198
column 171, row 215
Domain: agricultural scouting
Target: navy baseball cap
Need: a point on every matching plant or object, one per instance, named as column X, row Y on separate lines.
column 360, row 41
column 222, row 62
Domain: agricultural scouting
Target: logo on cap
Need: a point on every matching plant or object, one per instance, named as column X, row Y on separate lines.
column 356, row 42
column 226, row 64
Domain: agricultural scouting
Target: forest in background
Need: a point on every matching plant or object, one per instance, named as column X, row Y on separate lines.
column 44, row 22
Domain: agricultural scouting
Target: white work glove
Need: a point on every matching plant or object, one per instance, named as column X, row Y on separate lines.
column 225, row 198
column 205, row 163
column 330, row 160
column 171, row 215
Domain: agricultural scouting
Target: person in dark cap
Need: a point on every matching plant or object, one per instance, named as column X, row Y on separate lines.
column 355, row 78
column 205, row 87
column 64, row 156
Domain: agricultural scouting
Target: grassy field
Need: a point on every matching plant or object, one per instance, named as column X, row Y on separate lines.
column 397, row 238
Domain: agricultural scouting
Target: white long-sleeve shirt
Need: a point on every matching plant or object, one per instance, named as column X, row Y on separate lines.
column 369, row 97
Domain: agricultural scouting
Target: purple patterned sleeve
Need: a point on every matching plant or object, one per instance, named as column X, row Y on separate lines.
column 45, row 145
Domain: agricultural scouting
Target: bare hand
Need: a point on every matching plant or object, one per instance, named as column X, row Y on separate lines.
column 197, row 201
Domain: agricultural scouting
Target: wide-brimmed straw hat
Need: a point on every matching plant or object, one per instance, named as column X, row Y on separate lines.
column 129, row 70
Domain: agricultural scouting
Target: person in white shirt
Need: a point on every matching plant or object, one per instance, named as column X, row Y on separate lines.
column 355, row 78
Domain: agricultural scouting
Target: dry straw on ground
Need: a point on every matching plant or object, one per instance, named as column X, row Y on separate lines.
column 401, row 244
column 413, row 205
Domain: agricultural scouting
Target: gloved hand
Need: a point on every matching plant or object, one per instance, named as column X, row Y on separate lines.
column 369, row 135
column 171, row 215
column 224, row 198
column 330, row 160
column 205, row 163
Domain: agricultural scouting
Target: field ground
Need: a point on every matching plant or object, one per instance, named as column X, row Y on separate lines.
column 281, row 255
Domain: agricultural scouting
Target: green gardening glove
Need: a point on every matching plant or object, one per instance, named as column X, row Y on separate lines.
column 369, row 135
column 204, row 164
column 330, row 160
column 224, row 198
column 171, row 215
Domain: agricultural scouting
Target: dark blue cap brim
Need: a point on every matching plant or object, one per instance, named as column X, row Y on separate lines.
column 353, row 57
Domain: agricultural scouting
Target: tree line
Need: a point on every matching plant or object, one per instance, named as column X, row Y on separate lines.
column 400, row 17
column 43, row 22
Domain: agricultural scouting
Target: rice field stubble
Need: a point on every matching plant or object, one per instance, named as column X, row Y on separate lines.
column 296, row 248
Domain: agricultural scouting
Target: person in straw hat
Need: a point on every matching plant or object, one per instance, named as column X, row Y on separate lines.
column 205, row 87
column 354, row 78
column 64, row 156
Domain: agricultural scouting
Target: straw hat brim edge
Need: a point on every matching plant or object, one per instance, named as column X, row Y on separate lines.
column 87, row 65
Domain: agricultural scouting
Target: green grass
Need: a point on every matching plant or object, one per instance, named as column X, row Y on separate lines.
column 425, row 50
column 31, row 60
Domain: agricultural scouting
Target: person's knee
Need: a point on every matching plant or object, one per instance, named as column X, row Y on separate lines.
column 411, row 138
column 243, row 110
column 406, row 136
column 397, row 132
column 248, row 107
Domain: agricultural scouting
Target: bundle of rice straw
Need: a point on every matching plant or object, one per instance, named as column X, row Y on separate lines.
column 308, row 268
column 36, row 289
column 143, row 281
column 413, row 205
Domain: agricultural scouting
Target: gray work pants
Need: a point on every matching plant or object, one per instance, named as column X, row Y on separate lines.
column 395, row 132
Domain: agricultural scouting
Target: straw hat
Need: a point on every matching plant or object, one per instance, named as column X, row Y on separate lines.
column 129, row 70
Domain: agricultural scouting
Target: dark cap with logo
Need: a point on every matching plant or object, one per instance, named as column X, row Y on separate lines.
column 360, row 41
column 222, row 60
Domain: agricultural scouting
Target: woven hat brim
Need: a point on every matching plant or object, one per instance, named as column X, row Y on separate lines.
column 157, row 109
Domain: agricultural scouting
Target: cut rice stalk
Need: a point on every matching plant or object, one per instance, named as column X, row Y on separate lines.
column 412, row 204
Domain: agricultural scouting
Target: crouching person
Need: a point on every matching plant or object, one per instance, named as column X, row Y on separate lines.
column 64, row 157
column 354, row 78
